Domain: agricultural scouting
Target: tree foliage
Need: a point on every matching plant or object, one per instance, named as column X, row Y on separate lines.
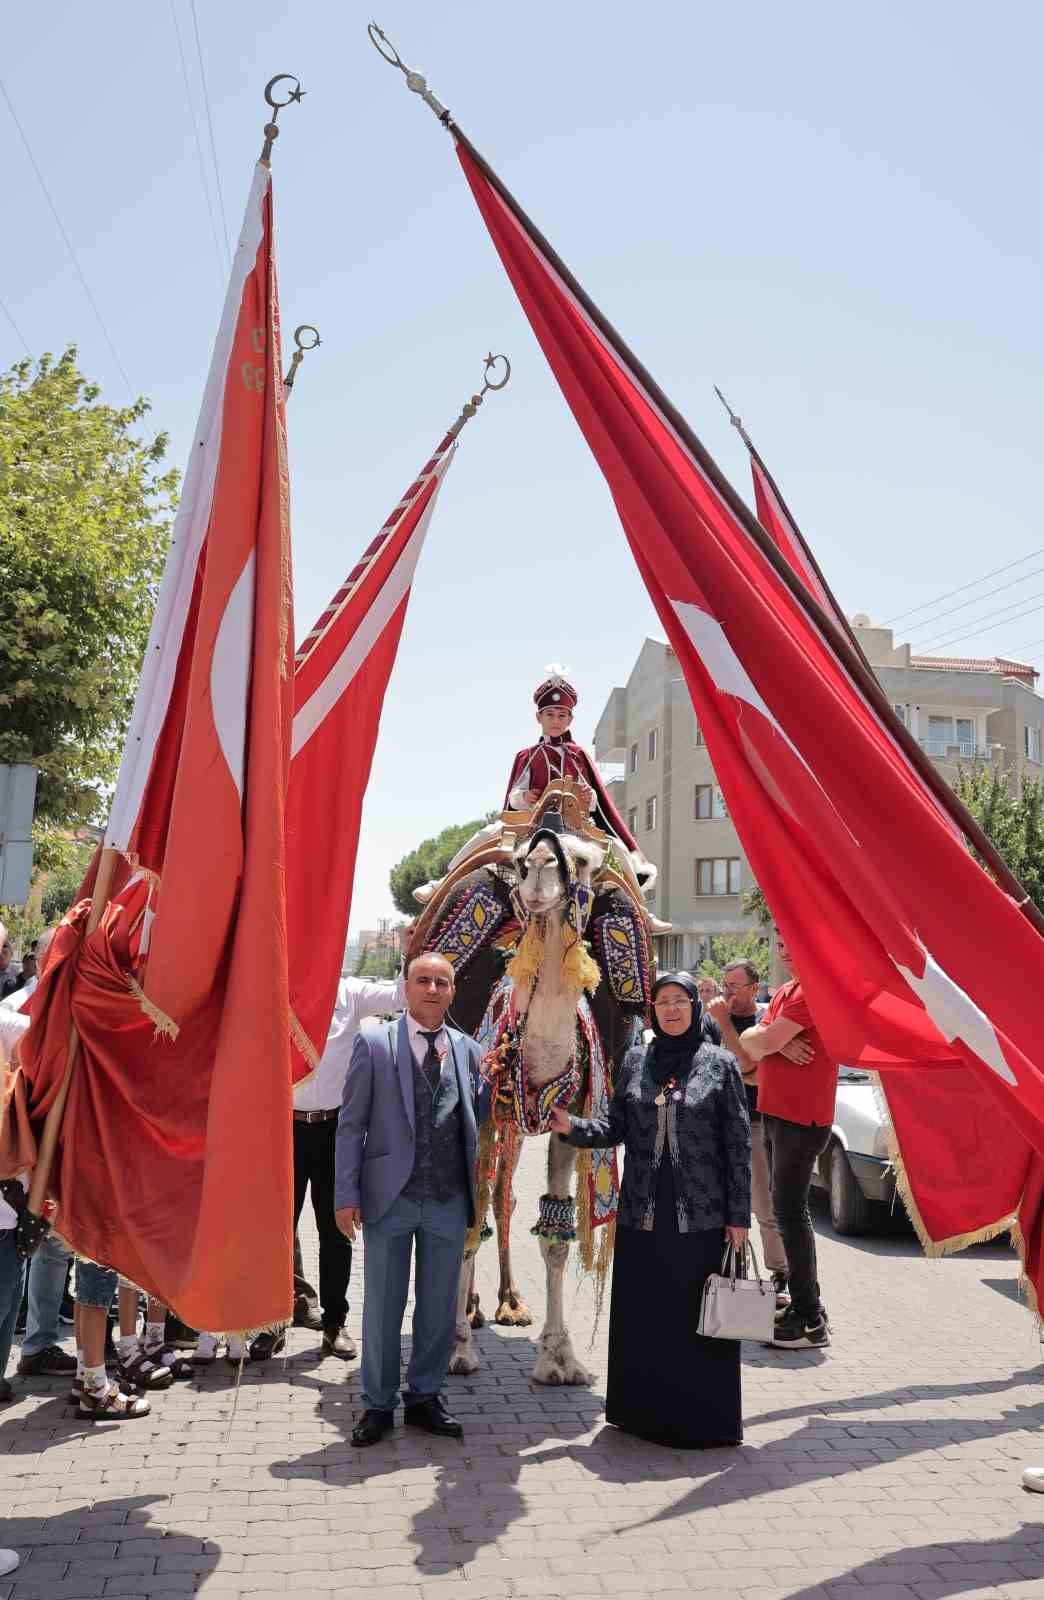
column 429, row 860
column 378, row 964
column 728, row 948
column 85, row 511
column 1011, row 813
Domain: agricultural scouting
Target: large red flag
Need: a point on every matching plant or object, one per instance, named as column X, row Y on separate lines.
column 340, row 679
column 850, row 849
column 175, row 1160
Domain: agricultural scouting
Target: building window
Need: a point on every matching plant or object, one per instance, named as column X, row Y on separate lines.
column 654, row 739
column 718, row 875
column 700, row 740
column 902, row 712
column 632, row 820
column 633, row 761
column 709, row 802
column 650, row 814
column 1032, row 743
column 945, row 732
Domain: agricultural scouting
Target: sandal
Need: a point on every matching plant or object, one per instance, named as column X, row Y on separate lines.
column 206, row 1351
column 76, row 1391
column 111, row 1405
column 179, row 1367
column 141, row 1372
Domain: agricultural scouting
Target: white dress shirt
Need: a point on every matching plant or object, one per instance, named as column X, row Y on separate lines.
column 20, row 998
column 12, row 1025
column 419, row 1045
column 357, row 998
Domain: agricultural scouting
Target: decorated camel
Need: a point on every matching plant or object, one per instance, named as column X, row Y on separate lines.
column 554, row 1023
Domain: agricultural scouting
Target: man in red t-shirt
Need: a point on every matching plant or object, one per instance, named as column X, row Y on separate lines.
column 797, row 1105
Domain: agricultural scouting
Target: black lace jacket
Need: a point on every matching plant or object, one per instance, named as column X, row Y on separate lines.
column 707, row 1134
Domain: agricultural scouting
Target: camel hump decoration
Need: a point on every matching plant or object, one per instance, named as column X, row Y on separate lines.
column 544, row 924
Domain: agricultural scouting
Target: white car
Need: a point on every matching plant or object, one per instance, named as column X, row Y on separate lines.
column 854, row 1168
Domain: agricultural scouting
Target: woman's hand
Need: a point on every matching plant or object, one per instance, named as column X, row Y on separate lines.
column 561, row 1121
column 737, row 1237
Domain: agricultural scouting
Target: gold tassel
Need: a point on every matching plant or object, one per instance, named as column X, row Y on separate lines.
column 303, row 1043
column 579, row 970
column 483, row 1188
column 159, row 1019
column 524, row 966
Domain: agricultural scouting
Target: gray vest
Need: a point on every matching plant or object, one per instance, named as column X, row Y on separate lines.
column 439, row 1170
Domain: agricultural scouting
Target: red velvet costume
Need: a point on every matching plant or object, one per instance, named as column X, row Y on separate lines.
column 559, row 757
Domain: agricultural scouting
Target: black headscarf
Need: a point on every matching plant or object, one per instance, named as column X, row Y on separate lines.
column 670, row 1054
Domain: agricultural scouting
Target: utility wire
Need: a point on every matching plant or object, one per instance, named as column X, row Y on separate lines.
column 24, row 341
column 68, row 242
column 928, row 604
column 199, row 145
column 210, row 125
column 930, row 622
column 988, row 626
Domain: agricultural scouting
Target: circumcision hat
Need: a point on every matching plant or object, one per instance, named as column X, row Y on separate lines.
column 556, row 690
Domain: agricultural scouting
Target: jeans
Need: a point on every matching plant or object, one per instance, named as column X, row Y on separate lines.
column 314, row 1146
column 12, row 1278
column 48, row 1270
column 793, row 1149
column 761, row 1199
column 95, row 1286
column 439, row 1228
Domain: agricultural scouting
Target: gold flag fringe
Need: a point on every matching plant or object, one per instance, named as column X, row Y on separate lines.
column 484, row 1187
column 161, row 1022
column 303, row 1042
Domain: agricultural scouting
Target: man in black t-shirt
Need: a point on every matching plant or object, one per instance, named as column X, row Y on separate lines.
column 737, row 1011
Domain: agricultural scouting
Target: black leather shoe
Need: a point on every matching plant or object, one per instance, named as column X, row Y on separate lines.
column 338, row 1343
column 265, row 1345
column 371, row 1428
column 432, row 1416
column 306, row 1313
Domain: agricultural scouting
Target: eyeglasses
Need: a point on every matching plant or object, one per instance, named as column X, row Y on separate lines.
column 672, row 1005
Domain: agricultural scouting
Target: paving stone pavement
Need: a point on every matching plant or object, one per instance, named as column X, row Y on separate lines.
column 887, row 1468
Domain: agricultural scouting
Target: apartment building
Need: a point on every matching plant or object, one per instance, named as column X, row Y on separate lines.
column 959, row 709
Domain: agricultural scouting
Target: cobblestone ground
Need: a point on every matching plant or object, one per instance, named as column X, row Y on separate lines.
column 886, row 1468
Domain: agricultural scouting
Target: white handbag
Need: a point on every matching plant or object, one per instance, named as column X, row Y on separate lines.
column 737, row 1308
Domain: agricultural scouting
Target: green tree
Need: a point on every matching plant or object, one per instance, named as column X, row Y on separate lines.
column 85, row 512
column 378, row 964
column 753, row 904
column 429, row 860
column 727, row 948
column 1011, row 812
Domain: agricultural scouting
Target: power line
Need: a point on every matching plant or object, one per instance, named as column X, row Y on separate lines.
column 24, row 341
column 210, row 125
column 988, row 627
column 68, row 242
column 199, row 146
column 928, row 604
column 930, row 622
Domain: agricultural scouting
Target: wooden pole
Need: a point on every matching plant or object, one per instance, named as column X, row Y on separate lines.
column 55, row 1116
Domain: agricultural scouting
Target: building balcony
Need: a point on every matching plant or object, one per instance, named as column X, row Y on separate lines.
column 956, row 749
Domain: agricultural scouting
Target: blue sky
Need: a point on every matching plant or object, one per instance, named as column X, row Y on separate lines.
column 831, row 211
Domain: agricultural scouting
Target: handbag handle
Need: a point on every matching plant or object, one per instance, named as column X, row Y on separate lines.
column 729, row 1266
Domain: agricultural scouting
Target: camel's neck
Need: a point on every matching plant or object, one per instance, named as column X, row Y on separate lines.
column 551, row 1013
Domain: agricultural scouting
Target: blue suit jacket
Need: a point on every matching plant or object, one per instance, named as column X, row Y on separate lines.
column 375, row 1130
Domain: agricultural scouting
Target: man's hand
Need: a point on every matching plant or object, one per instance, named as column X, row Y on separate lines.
column 718, row 1008
column 348, row 1218
column 586, row 795
column 797, row 1050
column 561, row 1121
column 531, row 796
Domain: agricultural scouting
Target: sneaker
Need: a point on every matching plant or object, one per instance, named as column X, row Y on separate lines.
column 1033, row 1479
column 236, row 1350
column 49, row 1363
column 206, row 1351
column 781, row 1285
column 793, row 1333
column 66, row 1314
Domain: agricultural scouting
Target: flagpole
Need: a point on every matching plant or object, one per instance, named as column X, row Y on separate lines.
column 848, row 652
column 34, row 1230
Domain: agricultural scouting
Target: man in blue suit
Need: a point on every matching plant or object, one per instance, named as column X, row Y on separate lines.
column 407, row 1142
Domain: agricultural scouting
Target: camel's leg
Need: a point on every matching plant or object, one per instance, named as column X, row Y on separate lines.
column 463, row 1358
column 512, row 1310
column 556, row 1361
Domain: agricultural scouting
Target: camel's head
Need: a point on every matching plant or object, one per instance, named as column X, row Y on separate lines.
column 547, row 864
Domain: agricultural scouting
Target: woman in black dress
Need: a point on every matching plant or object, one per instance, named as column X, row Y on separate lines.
column 680, row 1112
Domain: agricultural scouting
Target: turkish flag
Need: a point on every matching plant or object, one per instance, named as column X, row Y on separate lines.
column 175, row 1160
column 904, row 944
column 340, row 678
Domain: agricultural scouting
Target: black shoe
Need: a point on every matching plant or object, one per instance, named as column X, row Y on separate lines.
column 265, row 1345
column 177, row 1335
column 432, row 1416
column 306, row 1313
column 794, row 1333
column 66, row 1314
column 50, row 1363
column 338, row 1343
column 781, row 1285
column 372, row 1426
column 6, row 1392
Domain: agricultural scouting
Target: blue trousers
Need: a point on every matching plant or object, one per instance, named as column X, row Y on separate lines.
column 48, row 1269
column 438, row 1230
column 12, row 1280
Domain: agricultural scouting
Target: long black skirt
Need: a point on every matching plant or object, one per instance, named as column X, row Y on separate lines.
column 666, row 1383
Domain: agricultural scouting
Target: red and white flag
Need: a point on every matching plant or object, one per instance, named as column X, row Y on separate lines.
column 904, row 944
column 340, row 678
column 175, row 1159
